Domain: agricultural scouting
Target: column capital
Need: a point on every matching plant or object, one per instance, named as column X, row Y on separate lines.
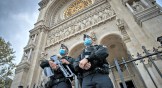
column 31, row 46
column 24, row 66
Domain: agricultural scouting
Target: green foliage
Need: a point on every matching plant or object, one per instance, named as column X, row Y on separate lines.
column 6, row 60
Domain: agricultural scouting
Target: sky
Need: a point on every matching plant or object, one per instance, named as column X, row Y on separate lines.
column 159, row 2
column 17, row 17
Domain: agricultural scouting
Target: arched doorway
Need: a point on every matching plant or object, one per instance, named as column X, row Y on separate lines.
column 76, row 50
column 117, row 54
column 116, row 47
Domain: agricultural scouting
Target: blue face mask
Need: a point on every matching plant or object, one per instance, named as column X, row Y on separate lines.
column 87, row 41
column 62, row 51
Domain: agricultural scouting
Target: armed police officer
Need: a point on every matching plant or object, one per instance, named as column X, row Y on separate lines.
column 58, row 80
column 93, row 66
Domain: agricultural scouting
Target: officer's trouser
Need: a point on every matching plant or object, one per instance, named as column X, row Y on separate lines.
column 62, row 85
column 97, row 80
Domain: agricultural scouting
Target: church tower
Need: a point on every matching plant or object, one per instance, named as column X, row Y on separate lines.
column 124, row 26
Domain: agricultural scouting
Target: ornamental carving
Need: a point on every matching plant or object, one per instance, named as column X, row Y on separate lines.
column 76, row 6
column 82, row 23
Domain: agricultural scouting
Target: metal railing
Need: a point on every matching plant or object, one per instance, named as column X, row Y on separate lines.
column 140, row 58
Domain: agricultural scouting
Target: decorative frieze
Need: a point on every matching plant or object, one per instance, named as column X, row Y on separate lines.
column 80, row 24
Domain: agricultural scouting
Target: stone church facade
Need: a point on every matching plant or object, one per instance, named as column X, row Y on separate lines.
column 121, row 25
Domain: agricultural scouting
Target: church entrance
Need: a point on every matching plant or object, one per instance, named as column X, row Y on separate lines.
column 123, row 69
column 122, row 75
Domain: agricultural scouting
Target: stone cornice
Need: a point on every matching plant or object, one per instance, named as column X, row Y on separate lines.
column 43, row 3
column 41, row 22
column 146, row 14
column 31, row 46
column 22, row 66
column 38, row 29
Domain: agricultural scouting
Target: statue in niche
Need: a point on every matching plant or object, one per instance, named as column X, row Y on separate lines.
column 119, row 22
column 93, row 35
column 137, row 6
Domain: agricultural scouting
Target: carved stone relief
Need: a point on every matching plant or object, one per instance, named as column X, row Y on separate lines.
column 122, row 27
column 81, row 23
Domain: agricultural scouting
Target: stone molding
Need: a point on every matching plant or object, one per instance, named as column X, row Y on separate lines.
column 38, row 29
column 90, row 19
column 146, row 14
column 31, row 46
column 23, row 66
column 43, row 4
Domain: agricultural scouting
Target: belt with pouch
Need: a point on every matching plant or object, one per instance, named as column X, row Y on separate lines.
column 59, row 80
column 91, row 72
column 88, row 73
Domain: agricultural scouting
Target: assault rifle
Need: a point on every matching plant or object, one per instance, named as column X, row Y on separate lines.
column 64, row 68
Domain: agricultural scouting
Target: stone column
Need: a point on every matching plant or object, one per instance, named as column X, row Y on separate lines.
column 34, row 69
column 129, row 7
column 29, row 55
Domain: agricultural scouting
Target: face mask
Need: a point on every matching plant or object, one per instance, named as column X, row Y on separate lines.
column 87, row 41
column 62, row 51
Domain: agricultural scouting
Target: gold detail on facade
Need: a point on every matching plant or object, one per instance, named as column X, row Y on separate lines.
column 76, row 6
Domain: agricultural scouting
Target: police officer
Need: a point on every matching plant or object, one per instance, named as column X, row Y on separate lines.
column 93, row 66
column 58, row 80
